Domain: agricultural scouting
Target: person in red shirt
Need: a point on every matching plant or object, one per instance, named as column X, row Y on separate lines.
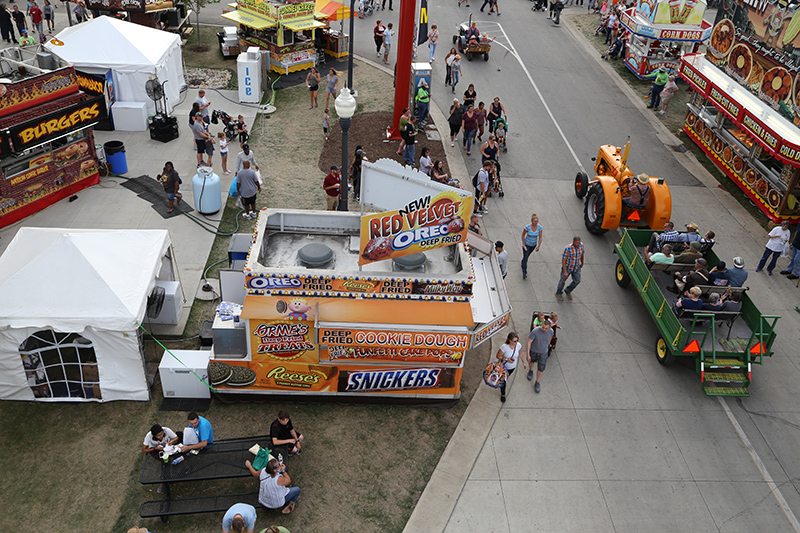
column 377, row 34
column 331, row 186
column 37, row 17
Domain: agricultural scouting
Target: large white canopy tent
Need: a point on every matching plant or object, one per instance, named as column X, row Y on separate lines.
column 70, row 305
column 133, row 52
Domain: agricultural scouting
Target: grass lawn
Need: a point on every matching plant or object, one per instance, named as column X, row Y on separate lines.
column 674, row 117
column 363, row 466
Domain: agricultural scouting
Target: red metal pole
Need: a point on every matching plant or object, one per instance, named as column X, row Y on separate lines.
column 402, row 69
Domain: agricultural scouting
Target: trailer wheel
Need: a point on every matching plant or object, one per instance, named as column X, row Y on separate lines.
column 623, row 279
column 594, row 210
column 663, row 354
column 455, row 38
column 581, row 185
column 486, row 56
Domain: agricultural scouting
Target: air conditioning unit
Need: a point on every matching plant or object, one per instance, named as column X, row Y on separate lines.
column 165, row 303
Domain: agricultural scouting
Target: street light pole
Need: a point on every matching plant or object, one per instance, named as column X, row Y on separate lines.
column 345, row 106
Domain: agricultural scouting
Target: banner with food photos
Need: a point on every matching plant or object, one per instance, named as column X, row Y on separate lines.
column 429, row 222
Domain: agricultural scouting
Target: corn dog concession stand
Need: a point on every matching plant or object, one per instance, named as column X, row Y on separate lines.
column 47, row 149
column 286, row 29
column 383, row 305
column 661, row 32
column 744, row 115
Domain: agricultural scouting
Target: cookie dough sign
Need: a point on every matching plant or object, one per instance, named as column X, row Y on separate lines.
column 424, row 224
column 283, row 341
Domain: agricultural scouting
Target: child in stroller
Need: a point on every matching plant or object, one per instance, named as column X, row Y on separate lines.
column 500, row 129
column 229, row 125
column 617, row 48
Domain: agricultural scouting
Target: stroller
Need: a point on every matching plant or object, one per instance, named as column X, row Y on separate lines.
column 540, row 5
column 554, row 339
column 230, row 125
column 497, row 185
column 365, row 8
column 617, row 48
column 603, row 26
column 502, row 141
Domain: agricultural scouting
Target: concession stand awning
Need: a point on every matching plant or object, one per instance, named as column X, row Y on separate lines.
column 253, row 20
column 750, row 141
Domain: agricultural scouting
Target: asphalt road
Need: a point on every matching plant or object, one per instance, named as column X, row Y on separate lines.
column 614, row 442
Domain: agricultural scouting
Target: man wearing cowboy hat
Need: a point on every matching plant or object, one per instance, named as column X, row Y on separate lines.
column 639, row 190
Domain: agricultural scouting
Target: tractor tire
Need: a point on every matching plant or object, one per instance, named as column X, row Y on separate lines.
column 486, row 56
column 663, row 354
column 594, row 210
column 622, row 277
column 581, row 185
column 455, row 39
column 469, row 56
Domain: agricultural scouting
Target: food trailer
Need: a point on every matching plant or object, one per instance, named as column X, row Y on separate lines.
column 380, row 305
column 661, row 32
column 47, row 149
column 287, row 30
column 160, row 14
column 744, row 112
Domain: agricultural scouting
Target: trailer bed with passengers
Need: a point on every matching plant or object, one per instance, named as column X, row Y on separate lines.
column 724, row 345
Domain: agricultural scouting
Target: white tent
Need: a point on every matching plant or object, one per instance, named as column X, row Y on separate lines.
column 70, row 302
column 134, row 53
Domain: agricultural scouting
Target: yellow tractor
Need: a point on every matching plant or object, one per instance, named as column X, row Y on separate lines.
column 603, row 208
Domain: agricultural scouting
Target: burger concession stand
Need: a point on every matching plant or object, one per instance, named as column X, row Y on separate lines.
column 661, row 32
column 47, row 148
column 286, row 30
column 743, row 116
column 381, row 305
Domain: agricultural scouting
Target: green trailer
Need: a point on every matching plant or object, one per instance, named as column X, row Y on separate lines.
column 724, row 345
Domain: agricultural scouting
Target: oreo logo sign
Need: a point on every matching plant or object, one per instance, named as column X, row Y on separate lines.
column 274, row 283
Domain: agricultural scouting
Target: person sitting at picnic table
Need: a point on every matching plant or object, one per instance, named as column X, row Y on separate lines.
column 199, row 434
column 239, row 517
column 274, row 491
column 157, row 439
column 283, row 434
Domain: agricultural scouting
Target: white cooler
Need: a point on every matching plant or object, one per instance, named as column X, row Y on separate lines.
column 178, row 379
column 130, row 116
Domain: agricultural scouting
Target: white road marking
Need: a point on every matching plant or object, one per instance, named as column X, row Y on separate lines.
column 757, row 460
column 513, row 51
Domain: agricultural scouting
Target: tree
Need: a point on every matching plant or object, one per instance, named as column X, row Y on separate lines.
column 196, row 5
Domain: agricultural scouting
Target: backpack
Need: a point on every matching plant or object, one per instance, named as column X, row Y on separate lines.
column 475, row 179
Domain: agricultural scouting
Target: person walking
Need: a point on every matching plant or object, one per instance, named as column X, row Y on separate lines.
column 667, row 93
column 778, row 237
column 660, row 79
column 502, row 258
column 37, row 18
column 481, row 112
column 331, row 186
column 455, row 72
column 49, row 15
column 6, row 25
column 203, row 104
column 313, row 80
column 484, row 179
column 793, row 268
column 377, row 35
column 448, row 64
column 201, row 138
column 387, row 38
column 383, row 6
column 330, row 87
column 456, row 114
column 245, row 155
column 469, row 123
column 248, row 187
column 171, row 181
column 433, row 39
column 470, row 95
column 537, row 350
column 531, row 242
column 571, row 264
column 355, row 171
column 508, row 354
column 19, row 20
column 496, row 110
column 422, row 99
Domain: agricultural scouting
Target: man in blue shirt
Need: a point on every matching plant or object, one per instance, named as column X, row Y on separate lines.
column 736, row 275
column 240, row 517
column 202, row 428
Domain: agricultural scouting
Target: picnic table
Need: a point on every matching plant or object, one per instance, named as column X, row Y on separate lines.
column 221, row 460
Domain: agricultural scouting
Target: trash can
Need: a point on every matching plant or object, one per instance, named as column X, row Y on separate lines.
column 115, row 155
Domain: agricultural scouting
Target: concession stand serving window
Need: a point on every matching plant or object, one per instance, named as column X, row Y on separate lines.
column 750, row 141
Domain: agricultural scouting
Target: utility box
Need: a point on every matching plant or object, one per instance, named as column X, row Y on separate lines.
column 249, row 69
column 419, row 72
